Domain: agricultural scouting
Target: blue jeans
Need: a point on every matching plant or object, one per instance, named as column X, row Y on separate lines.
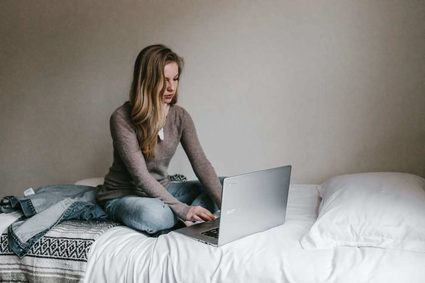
column 151, row 215
column 46, row 208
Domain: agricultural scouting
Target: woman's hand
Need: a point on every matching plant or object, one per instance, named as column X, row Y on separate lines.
column 198, row 213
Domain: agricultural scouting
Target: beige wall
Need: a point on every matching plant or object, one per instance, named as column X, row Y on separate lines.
column 330, row 87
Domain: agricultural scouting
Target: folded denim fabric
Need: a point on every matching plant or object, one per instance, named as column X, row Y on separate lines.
column 46, row 208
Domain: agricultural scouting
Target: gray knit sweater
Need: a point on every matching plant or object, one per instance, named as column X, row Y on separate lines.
column 132, row 174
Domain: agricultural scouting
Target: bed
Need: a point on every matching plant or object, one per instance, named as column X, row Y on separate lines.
column 293, row 252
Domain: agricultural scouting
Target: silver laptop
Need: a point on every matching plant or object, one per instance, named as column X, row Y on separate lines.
column 251, row 203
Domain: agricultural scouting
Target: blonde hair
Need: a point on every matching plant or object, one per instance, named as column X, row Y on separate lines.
column 146, row 94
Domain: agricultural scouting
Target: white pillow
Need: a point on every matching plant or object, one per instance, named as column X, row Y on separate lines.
column 90, row 181
column 383, row 210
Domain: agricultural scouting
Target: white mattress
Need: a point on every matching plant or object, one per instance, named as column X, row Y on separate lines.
column 123, row 255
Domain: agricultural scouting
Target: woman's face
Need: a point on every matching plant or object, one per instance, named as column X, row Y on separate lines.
column 171, row 74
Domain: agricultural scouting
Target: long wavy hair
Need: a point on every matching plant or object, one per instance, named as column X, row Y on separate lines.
column 146, row 94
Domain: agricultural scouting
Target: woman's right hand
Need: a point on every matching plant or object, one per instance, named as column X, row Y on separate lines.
column 198, row 213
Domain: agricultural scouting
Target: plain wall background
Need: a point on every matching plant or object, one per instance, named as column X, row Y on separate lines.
column 330, row 87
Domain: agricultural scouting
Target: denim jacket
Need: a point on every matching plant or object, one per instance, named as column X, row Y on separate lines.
column 46, row 208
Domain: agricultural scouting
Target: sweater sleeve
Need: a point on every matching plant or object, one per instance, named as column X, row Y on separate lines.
column 200, row 164
column 125, row 142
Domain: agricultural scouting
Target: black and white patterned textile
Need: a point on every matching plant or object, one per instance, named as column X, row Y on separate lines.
column 177, row 178
column 59, row 256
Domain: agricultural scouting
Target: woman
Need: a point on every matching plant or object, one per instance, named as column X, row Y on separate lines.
column 146, row 131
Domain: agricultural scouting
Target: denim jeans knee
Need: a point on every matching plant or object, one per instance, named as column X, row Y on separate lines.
column 185, row 192
column 144, row 214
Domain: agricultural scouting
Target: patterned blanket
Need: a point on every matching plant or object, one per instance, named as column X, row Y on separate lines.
column 59, row 256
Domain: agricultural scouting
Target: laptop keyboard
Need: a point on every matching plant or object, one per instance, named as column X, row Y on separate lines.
column 211, row 233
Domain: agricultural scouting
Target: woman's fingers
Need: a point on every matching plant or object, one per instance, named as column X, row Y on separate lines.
column 207, row 216
column 198, row 213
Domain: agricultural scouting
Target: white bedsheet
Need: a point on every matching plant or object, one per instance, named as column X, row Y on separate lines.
column 123, row 255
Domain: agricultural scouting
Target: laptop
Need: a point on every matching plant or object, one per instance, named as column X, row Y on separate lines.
column 251, row 203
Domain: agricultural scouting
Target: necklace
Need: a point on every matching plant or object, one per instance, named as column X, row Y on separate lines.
column 164, row 118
